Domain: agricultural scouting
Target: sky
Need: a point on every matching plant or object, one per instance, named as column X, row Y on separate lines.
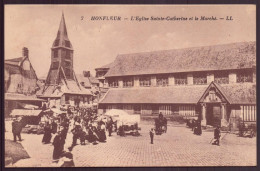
column 97, row 43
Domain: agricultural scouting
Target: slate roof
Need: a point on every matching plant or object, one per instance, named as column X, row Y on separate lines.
column 93, row 80
column 14, row 61
column 107, row 66
column 87, row 80
column 218, row 57
column 244, row 93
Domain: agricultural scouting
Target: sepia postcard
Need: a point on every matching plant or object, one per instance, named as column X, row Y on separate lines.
column 130, row 85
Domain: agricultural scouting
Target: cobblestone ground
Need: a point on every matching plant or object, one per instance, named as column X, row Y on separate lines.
column 178, row 147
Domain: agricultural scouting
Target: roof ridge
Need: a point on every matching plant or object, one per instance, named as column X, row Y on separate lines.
column 193, row 47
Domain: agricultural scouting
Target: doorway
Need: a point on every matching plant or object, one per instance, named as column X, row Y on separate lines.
column 213, row 115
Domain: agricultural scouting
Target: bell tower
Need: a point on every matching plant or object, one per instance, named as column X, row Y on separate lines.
column 61, row 56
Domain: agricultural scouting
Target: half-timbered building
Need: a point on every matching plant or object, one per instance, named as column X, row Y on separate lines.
column 20, row 81
column 216, row 83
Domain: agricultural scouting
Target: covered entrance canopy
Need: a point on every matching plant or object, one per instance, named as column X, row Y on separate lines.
column 213, row 103
column 218, row 101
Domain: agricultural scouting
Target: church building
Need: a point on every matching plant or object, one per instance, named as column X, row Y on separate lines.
column 62, row 86
column 216, row 83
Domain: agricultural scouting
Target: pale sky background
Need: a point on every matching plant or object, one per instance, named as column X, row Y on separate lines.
column 97, row 43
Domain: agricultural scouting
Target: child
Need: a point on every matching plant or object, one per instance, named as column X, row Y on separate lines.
column 151, row 135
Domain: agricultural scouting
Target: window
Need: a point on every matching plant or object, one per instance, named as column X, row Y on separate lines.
column 55, row 54
column 128, row 82
column 181, row 79
column 155, row 109
column 55, row 65
column 162, row 80
column 221, row 77
column 113, row 83
column 67, row 64
column 145, row 81
column 67, row 98
column 137, row 109
column 67, row 43
column 200, row 78
column 244, row 76
column 212, row 95
column 127, row 107
column 67, row 72
column 56, row 43
column 67, row 54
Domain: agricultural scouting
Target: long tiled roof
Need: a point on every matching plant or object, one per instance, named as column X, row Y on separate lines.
column 244, row 93
column 107, row 66
column 218, row 57
column 171, row 94
column 235, row 93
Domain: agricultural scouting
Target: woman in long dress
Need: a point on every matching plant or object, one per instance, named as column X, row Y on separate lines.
column 47, row 133
column 103, row 133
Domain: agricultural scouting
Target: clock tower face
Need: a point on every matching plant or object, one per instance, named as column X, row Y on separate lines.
column 26, row 65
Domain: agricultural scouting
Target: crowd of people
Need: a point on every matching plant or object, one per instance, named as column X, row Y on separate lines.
column 85, row 125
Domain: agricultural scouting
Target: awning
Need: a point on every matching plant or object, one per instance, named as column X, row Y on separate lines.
column 27, row 106
column 24, row 112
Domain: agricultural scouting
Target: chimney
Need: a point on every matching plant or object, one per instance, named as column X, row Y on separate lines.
column 25, row 52
column 86, row 73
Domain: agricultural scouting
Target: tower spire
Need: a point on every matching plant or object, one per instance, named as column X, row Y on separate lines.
column 62, row 32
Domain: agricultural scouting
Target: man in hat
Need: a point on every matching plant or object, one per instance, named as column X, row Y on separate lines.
column 17, row 128
column 216, row 136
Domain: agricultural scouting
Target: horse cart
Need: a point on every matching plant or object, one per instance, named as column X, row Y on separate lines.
column 247, row 129
column 126, row 124
column 160, row 125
